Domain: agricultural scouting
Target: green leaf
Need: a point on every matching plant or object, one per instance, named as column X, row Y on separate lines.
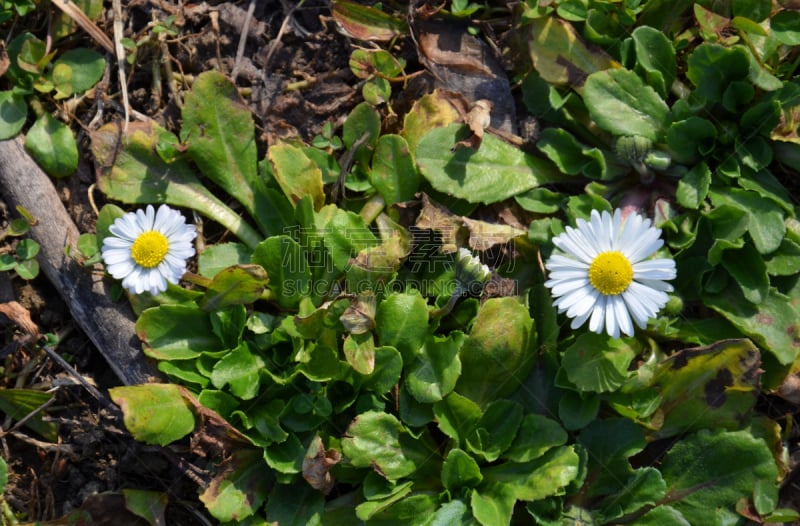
column 530, row 481
column 359, row 351
column 693, row 186
column 296, row 504
column 493, row 505
column 621, row 103
column 53, row 146
column 495, row 430
column 236, row 285
column 707, row 387
column 691, row 138
column 19, row 403
column 13, row 113
column 707, row 473
column 382, row 497
column 217, row 257
column 393, row 173
column 662, row 515
column 712, row 68
column 360, row 133
column 407, row 511
column 655, row 58
column 457, row 416
column 785, row 261
column 536, row 435
column 460, row 470
column 401, row 321
column 288, row 271
column 220, row 136
column 431, row 111
column 238, row 490
column 573, row 158
column 3, row 474
column 149, row 505
column 576, row 411
column 453, row 512
column 765, row 222
column 597, row 363
column 472, row 175
column 497, row 354
column 345, row 235
column 373, row 440
column 287, row 456
column 154, row 413
column 772, row 324
column 645, row 487
column 176, row 332
column 755, row 10
column 559, row 54
column 785, row 26
column 435, row 369
column 643, row 490
column 609, row 443
column 749, row 270
column 27, row 269
column 386, row 373
column 240, row 370
column 367, row 23
column 132, row 171
column 87, row 245
column 77, row 71
column 297, row 175
column 27, row 249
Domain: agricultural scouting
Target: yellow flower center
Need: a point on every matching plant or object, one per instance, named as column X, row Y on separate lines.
column 149, row 249
column 611, row 273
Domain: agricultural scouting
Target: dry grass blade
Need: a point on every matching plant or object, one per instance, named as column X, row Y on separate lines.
column 74, row 12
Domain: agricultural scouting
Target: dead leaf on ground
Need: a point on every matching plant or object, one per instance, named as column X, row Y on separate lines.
column 213, row 436
column 18, row 314
column 4, row 61
column 483, row 235
column 466, row 65
column 317, row 465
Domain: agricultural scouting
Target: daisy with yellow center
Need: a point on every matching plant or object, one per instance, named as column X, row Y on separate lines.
column 604, row 274
column 148, row 249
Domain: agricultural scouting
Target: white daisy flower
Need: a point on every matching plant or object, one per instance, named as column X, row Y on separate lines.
column 149, row 249
column 603, row 275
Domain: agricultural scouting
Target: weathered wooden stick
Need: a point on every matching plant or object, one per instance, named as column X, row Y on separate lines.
column 110, row 326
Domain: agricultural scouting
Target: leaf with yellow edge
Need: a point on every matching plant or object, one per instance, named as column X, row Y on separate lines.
column 708, row 387
column 430, row 111
column 561, row 57
column 297, row 175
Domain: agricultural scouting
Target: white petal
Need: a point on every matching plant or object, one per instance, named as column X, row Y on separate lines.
column 601, row 230
column 646, row 244
column 612, row 324
column 577, row 321
column 112, row 242
column 598, row 315
column 121, row 269
column 126, row 227
column 565, row 286
column 559, row 262
column 579, row 302
column 655, row 284
column 113, row 256
column 622, row 316
column 655, row 269
column 563, row 275
column 574, row 243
